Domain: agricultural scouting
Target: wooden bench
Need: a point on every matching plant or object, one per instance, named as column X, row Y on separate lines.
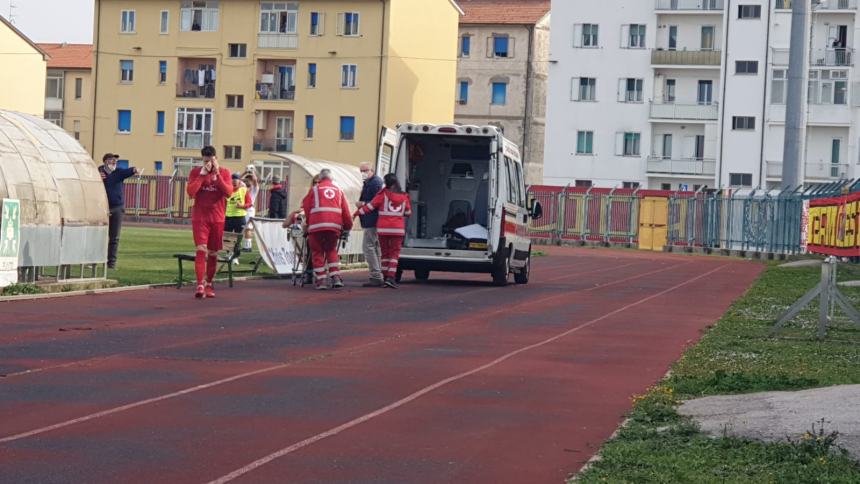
column 227, row 256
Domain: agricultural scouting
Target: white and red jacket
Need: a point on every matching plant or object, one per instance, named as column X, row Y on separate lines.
column 326, row 209
column 393, row 208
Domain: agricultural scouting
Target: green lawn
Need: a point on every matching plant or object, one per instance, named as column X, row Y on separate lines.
column 146, row 256
column 737, row 356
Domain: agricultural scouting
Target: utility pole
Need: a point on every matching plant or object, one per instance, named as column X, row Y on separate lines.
column 794, row 105
column 12, row 8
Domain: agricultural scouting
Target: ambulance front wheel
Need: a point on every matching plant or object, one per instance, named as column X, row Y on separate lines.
column 422, row 274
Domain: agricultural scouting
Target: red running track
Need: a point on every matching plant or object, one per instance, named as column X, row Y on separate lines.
column 448, row 381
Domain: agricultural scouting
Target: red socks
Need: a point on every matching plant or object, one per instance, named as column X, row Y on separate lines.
column 200, row 265
column 211, row 268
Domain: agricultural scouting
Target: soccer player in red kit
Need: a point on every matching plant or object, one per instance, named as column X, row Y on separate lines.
column 209, row 186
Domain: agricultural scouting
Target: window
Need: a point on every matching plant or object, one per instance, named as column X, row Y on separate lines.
column 159, row 167
column 55, row 117
column 828, row 87
column 349, row 75
column 238, row 51
column 582, row 184
column 744, row 123
column 636, row 36
column 585, row 142
column 746, row 67
column 500, row 93
column 159, row 122
column 740, row 179
column 165, row 23
column 122, row 164
column 199, row 16
column 708, row 37
column 79, row 87
column 162, row 72
column 54, row 86
column 127, row 22
column 317, row 23
column 590, row 35
column 630, row 185
column 777, row 86
column 749, row 11
column 312, row 75
column 464, row 92
column 628, row 144
column 500, row 46
column 235, row 101
column 347, row 128
column 465, row 46
column 705, row 93
column 631, row 90
column 783, row 4
column 673, row 37
column 76, row 126
column 123, row 124
column 193, row 127
column 126, row 68
column 309, row 126
column 665, row 186
column 347, row 24
column 280, row 17
column 584, row 89
column 232, row 152
column 666, row 148
column 669, row 91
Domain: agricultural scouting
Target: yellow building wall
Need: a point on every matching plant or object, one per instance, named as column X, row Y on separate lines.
column 421, row 62
column 327, row 102
column 80, row 110
column 23, row 71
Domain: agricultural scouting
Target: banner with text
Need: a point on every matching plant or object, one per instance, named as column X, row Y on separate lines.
column 276, row 249
column 833, row 226
column 10, row 241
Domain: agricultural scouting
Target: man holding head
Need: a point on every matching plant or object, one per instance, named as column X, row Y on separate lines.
column 209, row 185
column 113, row 179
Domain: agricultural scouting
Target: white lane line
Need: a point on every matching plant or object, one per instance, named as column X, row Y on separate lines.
column 358, row 421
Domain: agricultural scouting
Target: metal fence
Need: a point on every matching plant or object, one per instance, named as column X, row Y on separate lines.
column 586, row 214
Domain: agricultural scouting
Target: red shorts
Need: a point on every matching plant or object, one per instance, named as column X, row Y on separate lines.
column 208, row 233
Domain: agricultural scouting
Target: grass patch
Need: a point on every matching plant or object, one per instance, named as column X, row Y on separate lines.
column 737, row 356
column 21, row 289
column 146, row 256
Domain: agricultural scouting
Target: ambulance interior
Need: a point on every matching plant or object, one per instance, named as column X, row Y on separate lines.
column 448, row 182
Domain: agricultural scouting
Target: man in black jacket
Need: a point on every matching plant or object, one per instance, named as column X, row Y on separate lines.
column 277, row 200
column 370, row 243
column 113, row 179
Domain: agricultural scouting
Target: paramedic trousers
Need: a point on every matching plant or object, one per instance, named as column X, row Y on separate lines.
column 324, row 254
column 370, row 246
column 390, row 245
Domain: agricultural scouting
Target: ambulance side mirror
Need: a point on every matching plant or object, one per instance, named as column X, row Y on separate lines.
column 536, row 210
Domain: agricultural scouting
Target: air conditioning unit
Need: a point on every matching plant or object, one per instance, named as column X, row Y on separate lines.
column 267, row 79
column 260, row 120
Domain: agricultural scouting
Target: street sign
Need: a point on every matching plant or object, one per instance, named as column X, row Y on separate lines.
column 10, row 241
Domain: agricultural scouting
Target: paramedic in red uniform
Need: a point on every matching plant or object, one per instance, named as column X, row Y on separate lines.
column 327, row 216
column 209, row 186
column 393, row 207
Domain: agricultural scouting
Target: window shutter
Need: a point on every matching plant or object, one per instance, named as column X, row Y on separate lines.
column 491, row 47
column 574, row 89
column 512, row 47
column 340, row 21
column 185, row 20
column 356, row 25
column 619, row 144
column 625, row 36
column 622, row 86
column 321, row 24
column 577, row 35
column 213, row 20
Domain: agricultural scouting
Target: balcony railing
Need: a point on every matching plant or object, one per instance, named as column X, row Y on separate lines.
column 834, row 5
column 832, row 57
column 701, row 112
column 266, row 40
column 686, row 57
column 690, row 5
column 274, row 145
column 276, row 95
column 812, row 171
column 697, row 167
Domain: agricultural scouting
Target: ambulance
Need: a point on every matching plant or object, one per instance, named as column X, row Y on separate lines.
column 470, row 210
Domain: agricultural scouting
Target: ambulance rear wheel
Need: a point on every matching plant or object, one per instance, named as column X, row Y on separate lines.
column 399, row 275
column 522, row 277
column 422, row 274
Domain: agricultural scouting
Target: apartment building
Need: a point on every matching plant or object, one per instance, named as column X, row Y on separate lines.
column 502, row 72
column 68, row 90
column 318, row 78
column 686, row 94
column 23, row 66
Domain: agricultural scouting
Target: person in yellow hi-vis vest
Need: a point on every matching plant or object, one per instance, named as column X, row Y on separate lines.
column 237, row 206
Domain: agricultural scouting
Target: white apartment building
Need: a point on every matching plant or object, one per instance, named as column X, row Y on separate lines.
column 685, row 94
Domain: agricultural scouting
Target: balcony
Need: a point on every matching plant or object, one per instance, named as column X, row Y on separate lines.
column 839, row 57
column 273, row 145
column 690, row 6
column 685, row 112
column 658, row 165
column 812, row 171
column 276, row 80
column 818, row 5
column 705, row 58
column 268, row 40
column 196, row 78
column 836, row 115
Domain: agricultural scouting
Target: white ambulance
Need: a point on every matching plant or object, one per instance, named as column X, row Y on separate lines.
column 470, row 211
